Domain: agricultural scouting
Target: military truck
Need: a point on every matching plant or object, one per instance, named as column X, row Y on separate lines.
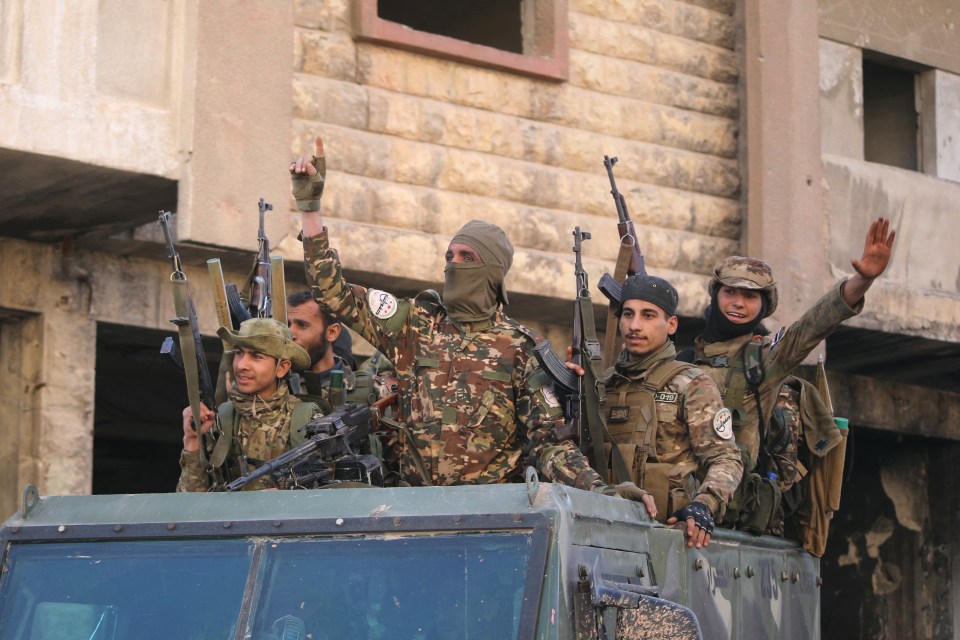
column 528, row 560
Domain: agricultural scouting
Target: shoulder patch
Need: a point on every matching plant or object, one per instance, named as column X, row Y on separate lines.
column 776, row 338
column 723, row 423
column 666, row 396
column 550, row 396
column 382, row 304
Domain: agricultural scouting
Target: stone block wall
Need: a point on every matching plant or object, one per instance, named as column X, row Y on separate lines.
column 417, row 145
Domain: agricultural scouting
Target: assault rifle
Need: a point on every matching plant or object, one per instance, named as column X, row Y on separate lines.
column 582, row 394
column 629, row 262
column 260, row 298
column 264, row 297
column 337, row 450
column 629, row 243
column 199, row 387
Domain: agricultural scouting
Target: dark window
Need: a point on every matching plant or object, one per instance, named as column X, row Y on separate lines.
column 524, row 36
column 891, row 122
column 494, row 23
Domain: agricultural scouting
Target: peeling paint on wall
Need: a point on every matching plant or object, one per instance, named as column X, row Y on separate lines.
column 904, row 481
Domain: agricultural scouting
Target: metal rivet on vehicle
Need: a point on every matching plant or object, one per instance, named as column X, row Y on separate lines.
column 118, row 528
column 698, row 564
column 61, row 529
column 518, row 518
column 171, row 526
column 277, row 524
column 227, row 525
column 339, row 522
column 819, row 582
column 736, row 573
column 14, row 529
column 458, row 520
column 751, row 572
column 795, row 577
column 783, row 576
column 397, row 521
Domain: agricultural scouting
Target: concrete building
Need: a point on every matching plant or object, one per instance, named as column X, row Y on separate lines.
column 765, row 127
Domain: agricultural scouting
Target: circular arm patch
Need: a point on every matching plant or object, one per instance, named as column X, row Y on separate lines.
column 382, row 304
column 723, row 423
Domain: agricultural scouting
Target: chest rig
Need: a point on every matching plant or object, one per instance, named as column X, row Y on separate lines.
column 632, row 422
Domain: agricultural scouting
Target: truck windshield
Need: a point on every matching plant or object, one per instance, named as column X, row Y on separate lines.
column 467, row 585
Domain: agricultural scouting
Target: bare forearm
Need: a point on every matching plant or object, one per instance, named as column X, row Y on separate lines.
column 311, row 222
column 855, row 288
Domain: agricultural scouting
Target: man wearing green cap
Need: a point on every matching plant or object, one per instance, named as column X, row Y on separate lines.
column 666, row 417
column 750, row 367
column 474, row 406
column 263, row 413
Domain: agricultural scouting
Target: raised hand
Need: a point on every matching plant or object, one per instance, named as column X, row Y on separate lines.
column 876, row 249
column 308, row 174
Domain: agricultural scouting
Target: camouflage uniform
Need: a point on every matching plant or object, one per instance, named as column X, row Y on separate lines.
column 262, row 433
column 687, row 410
column 474, row 406
column 779, row 357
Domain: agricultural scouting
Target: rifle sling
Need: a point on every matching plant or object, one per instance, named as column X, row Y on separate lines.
column 619, row 274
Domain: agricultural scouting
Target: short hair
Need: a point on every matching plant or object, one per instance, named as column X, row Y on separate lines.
column 298, row 298
column 302, row 297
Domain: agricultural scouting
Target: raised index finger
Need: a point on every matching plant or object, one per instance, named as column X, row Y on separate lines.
column 319, row 153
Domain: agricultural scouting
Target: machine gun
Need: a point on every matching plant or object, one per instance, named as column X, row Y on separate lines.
column 629, row 262
column 199, row 387
column 582, row 394
column 337, row 450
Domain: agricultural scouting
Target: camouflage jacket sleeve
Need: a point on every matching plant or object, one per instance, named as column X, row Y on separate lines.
column 383, row 327
column 192, row 475
column 805, row 334
column 718, row 457
column 539, row 409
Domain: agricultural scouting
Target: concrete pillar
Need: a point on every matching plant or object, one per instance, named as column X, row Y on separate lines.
column 236, row 126
column 780, row 145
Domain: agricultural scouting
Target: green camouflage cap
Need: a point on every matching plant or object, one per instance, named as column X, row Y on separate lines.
column 746, row 273
column 270, row 337
column 492, row 244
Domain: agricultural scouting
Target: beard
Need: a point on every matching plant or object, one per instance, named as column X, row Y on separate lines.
column 319, row 350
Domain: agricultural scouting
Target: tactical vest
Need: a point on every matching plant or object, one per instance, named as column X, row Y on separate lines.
column 632, row 422
column 315, row 388
column 230, row 424
column 770, row 490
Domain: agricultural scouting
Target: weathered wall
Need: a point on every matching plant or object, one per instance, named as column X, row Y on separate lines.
column 921, row 30
column 49, row 310
column 417, row 145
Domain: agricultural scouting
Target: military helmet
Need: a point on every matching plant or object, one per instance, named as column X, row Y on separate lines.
column 746, row 273
column 268, row 336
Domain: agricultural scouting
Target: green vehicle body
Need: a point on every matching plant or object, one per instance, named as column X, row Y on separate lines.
column 533, row 560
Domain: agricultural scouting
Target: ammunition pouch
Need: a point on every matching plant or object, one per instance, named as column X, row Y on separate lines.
column 755, row 506
column 673, row 486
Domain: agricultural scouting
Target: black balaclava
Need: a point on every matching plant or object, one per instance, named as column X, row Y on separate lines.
column 720, row 329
